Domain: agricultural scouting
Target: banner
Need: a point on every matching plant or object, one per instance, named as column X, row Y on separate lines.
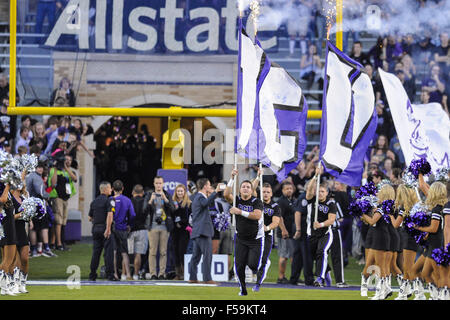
column 349, row 117
column 172, row 178
column 422, row 129
column 271, row 111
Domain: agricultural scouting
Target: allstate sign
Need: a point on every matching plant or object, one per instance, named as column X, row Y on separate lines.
column 142, row 26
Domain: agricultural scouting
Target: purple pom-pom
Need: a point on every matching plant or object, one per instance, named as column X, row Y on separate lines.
column 440, row 256
column 418, row 217
column 419, row 166
column 366, row 190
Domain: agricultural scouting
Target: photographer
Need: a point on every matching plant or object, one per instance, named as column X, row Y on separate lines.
column 159, row 225
column 61, row 179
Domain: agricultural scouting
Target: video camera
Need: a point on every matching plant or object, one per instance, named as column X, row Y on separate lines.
column 57, row 160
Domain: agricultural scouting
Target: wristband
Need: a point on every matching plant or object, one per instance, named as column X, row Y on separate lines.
column 245, row 214
column 322, row 225
column 230, row 182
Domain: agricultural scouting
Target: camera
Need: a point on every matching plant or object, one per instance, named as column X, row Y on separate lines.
column 159, row 220
column 57, row 160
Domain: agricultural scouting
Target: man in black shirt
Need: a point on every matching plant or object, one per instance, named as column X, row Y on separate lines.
column 249, row 237
column 319, row 229
column 138, row 238
column 271, row 214
column 101, row 215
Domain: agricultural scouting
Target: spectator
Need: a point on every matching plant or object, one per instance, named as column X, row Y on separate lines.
column 434, row 84
column 384, row 119
column 124, row 216
column 441, row 54
column 378, row 52
column 39, row 136
column 394, row 145
column 298, row 24
column 46, row 8
column 381, row 149
column 408, row 44
column 7, row 125
column 63, row 96
column 61, row 179
column 358, row 55
column 23, row 140
column 422, row 53
column 393, row 50
column 159, row 225
column 51, row 133
column 202, row 231
column 36, row 188
column 4, row 91
column 60, row 137
column 182, row 211
column 311, row 67
column 299, row 177
column 138, row 238
column 26, row 123
column 388, row 166
column 424, row 97
column 409, row 85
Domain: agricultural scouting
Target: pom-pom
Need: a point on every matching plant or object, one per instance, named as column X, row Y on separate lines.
column 221, row 221
column 410, row 180
column 440, row 256
column 418, row 216
column 32, row 208
column 2, row 216
column 442, row 174
column 388, row 207
column 361, row 206
column 419, row 166
column 28, row 162
column 383, row 183
column 366, row 190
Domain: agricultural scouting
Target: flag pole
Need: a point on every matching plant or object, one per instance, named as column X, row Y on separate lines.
column 261, row 181
column 316, row 209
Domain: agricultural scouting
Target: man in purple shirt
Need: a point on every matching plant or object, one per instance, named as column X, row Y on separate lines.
column 123, row 220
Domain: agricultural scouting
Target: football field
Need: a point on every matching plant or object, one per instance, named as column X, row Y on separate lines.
column 65, row 277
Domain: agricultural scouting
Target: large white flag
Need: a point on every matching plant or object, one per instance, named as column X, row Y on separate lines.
column 423, row 129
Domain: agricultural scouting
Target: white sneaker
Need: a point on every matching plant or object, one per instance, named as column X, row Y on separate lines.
column 135, row 277
column 418, row 290
column 402, row 292
column 16, row 281
column 23, row 283
column 387, row 290
column 434, row 294
column 123, row 277
column 364, row 288
column 399, row 280
column 148, row 276
column 443, row 294
column 408, row 288
column 379, row 289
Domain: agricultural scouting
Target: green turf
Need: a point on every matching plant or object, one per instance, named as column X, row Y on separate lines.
column 177, row 293
column 43, row 268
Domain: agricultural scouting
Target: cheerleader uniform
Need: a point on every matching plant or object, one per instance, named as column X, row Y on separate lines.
column 407, row 241
column 22, row 239
column 9, row 226
column 394, row 236
column 435, row 240
column 381, row 239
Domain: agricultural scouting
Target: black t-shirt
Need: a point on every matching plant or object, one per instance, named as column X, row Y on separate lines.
column 248, row 229
column 100, row 207
column 446, row 209
column 141, row 215
column 325, row 208
column 341, row 198
column 271, row 209
column 7, row 126
column 288, row 208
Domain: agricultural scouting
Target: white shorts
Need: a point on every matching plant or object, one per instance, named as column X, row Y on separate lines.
column 138, row 242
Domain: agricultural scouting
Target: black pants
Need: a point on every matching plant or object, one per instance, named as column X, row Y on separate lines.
column 180, row 242
column 337, row 257
column 262, row 271
column 320, row 245
column 302, row 259
column 247, row 253
column 101, row 243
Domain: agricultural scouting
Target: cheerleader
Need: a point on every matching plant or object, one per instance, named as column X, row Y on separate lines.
column 381, row 243
column 22, row 244
column 404, row 201
column 8, row 243
column 436, row 199
column 370, row 259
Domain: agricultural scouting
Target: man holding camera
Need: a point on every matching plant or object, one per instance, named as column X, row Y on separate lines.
column 160, row 224
column 61, row 179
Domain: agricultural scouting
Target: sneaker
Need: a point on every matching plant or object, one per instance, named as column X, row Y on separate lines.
column 123, row 277
column 23, row 283
column 255, row 288
column 328, row 279
column 342, row 285
column 48, row 253
column 364, row 287
column 283, row 281
column 154, row 277
column 319, row 282
column 60, row 248
column 148, row 276
column 243, row 293
column 161, row 277
column 135, row 277
column 35, row 254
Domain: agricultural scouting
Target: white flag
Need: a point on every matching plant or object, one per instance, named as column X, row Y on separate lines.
column 423, row 129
